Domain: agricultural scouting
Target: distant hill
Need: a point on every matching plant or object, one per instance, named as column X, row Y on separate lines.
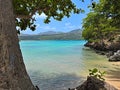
column 24, row 34
column 51, row 35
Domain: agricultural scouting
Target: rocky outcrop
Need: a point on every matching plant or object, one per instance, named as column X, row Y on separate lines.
column 115, row 56
column 110, row 49
column 104, row 46
column 110, row 53
column 96, row 46
column 114, row 46
column 93, row 83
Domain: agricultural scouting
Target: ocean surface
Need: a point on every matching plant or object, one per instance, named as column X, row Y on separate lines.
column 59, row 65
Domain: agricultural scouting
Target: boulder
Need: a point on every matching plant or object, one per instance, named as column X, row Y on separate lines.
column 115, row 56
column 92, row 83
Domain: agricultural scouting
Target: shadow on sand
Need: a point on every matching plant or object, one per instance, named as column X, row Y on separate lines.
column 114, row 76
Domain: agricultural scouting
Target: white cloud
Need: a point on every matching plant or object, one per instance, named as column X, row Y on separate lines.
column 48, row 28
column 42, row 16
column 39, row 29
column 37, row 25
column 70, row 26
column 67, row 24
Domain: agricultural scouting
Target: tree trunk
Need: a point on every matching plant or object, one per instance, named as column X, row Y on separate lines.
column 13, row 75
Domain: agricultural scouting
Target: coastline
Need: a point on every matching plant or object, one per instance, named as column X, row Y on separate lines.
column 112, row 77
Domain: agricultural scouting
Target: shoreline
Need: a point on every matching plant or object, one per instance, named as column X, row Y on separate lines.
column 112, row 77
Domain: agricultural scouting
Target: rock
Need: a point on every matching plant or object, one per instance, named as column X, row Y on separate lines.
column 118, row 51
column 37, row 88
column 93, row 83
column 115, row 56
column 110, row 53
column 104, row 46
column 114, row 46
column 102, row 53
column 96, row 45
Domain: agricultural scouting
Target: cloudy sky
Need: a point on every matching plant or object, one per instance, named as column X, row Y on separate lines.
column 67, row 24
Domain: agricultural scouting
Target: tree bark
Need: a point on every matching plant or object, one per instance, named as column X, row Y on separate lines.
column 13, row 75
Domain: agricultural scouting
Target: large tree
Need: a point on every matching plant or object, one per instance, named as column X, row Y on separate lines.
column 13, row 75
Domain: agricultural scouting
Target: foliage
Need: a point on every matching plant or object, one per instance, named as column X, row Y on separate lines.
column 102, row 22
column 97, row 73
column 111, row 10
column 57, row 9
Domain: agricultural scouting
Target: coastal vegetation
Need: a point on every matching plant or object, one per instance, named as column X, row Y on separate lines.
column 102, row 22
column 101, row 27
column 97, row 73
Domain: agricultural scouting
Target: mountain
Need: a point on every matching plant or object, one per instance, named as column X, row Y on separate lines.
column 51, row 35
column 21, row 34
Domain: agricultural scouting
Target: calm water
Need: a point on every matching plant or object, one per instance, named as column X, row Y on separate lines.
column 59, row 65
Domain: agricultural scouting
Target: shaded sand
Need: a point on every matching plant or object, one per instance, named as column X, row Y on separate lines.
column 113, row 76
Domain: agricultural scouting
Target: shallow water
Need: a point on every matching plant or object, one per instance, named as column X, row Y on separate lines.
column 59, row 65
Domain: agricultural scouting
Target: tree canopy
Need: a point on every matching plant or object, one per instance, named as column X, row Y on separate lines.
column 57, row 9
column 103, row 21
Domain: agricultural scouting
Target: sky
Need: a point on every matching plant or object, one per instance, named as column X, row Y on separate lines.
column 66, row 25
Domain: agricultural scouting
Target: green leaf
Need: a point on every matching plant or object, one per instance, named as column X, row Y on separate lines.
column 95, row 70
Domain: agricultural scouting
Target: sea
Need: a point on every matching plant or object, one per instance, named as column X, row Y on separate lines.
column 59, row 65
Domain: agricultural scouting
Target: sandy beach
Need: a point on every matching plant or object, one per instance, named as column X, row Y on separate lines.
column 113, row 76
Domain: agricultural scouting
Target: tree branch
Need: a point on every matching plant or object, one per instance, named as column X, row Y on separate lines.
column 32, row 13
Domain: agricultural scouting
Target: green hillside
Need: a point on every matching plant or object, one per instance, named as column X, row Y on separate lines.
column 72, row 35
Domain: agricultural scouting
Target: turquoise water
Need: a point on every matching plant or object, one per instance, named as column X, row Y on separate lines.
column 59, row 65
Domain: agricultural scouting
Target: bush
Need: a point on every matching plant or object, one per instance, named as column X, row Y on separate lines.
column 97, row 73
